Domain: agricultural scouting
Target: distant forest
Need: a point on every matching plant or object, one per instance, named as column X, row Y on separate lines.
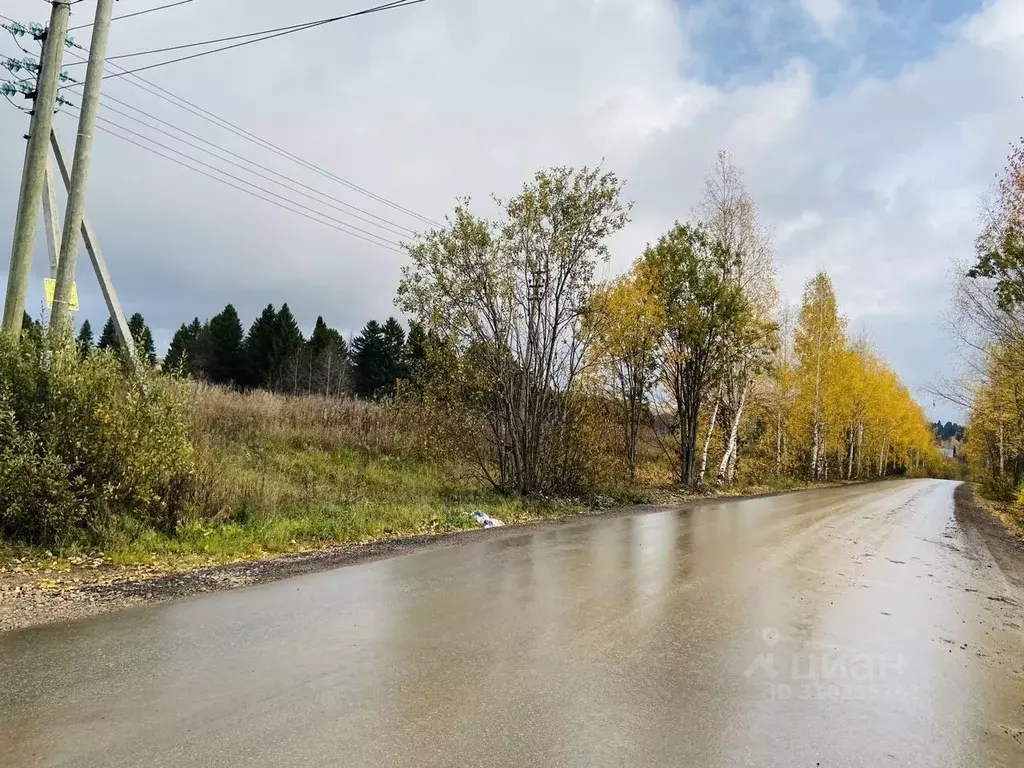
column 275, row 355
column 948, row 431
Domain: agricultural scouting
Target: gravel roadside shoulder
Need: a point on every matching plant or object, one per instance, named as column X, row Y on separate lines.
column 1005, row 545
column 38, row 596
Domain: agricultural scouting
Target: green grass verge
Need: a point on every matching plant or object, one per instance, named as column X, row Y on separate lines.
column 274, row 501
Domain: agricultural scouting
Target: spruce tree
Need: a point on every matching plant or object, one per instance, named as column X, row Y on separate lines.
column 136, row 325
column 223, row 338
column 177, row 352
column 321, row 336
column 416, row 355
column 84, row 339
column 108, row 336
column 369, row 361
column 199, row 350
column 394, row 355
column 328, row 360
column 259, row 348
column 143, row 337
column 30, row 329
column 287, row 346
column 340, row 380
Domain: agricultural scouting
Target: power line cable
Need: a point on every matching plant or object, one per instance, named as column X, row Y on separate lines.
column 394, row 5
column 17, row 106
column 137, row 13
column 247, row 191
column 182, row 103
column 343, row 225
column 385, row 224
column 377, row 9
column 276, row 31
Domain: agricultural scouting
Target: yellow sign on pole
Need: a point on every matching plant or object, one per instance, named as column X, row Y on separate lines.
column 50, row 287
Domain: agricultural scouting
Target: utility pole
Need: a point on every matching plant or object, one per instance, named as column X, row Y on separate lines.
column 99, row 264
column 30, row 200
column 51, row 218
column 60, row 317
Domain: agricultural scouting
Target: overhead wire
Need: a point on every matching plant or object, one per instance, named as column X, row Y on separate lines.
column 17, row 106
column 182, row 103
column 343, row 226
column 394, row 5
column 317, row 215
column 327, row 221
column 136, row 13
column 276, row 31
column 385, row 224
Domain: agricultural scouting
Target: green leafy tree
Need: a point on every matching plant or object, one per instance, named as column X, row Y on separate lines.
column 509, row 297
column 223, row 338
column 1005, row 265
column 1000, row 246
column 84, row 339
column 688, row 272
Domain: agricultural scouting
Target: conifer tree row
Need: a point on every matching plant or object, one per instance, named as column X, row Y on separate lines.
column 275, row 355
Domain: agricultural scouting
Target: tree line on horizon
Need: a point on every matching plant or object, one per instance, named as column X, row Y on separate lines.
column 275, row 355
column 948, row 431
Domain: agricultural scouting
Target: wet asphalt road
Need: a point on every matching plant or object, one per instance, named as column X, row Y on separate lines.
column 849, row 627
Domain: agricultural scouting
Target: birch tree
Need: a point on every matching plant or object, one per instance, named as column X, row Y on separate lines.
column 819, row 343
column 729, row 213
column 688, row 271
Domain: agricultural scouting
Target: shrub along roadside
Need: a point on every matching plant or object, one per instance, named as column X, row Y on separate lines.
column 86, row 444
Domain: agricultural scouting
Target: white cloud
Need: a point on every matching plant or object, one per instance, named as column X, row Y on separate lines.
column 826, row 14
column 876, row 183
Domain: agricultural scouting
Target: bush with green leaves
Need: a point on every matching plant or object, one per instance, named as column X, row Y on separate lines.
column 86, row 443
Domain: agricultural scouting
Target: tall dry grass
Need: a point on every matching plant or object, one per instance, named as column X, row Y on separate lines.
column 301, row 422
column 278, row 473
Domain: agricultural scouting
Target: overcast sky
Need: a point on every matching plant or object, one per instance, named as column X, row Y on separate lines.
column 867, row 131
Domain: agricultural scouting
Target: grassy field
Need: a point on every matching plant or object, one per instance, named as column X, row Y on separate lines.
column 280, row 474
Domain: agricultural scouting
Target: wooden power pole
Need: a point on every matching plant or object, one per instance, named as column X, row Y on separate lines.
column 60, row 317
column 32, row 179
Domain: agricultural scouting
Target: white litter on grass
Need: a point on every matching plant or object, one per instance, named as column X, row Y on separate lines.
column 486, row 521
